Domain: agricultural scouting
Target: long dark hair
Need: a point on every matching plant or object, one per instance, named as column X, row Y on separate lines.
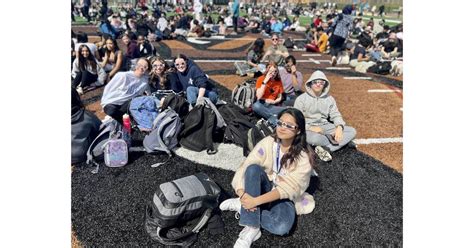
column 257, row 47
column 116, row 48
column 299, row 142
column 163, row 79
column 90, row 60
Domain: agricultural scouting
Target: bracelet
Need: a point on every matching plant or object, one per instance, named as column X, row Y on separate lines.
column 242, row 195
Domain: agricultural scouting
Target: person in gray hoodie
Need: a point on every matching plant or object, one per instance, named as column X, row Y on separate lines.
column 325, row 127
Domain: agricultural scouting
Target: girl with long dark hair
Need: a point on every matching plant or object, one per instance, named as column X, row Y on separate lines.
column 112, row 62
column 271, row 182
column 162, row 76
column 86, row 70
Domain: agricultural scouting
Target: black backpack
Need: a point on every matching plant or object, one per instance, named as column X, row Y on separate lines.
column 180, row 208
column 238, row 124
column 382, row 68
column 288, row 43
column 198, row 128
column 177, row 103
column 261, row 130
column 365, row 40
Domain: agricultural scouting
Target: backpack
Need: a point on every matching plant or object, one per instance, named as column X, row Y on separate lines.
column 84, row 128
column 237, row 124
column 177, row 102
column 382, row 68
column 167, row 34
column 164, row 136
column 261, row 130
column 288, row 43
column 108, row 145
column 198, row 128
column 243, row 95
column 144, row 110
column 178, row 203
column 365, row 40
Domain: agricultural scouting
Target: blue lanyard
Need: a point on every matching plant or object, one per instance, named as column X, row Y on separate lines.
column 278, row 165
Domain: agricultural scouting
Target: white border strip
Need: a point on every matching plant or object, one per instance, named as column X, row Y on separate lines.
column 382, row 91
column 338, row 68
column 240, row 60
column 314, row 61
column 358, row 78
column 311, row 55
column 378, row 141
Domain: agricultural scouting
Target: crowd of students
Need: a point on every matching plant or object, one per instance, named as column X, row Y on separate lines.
column 307, row 122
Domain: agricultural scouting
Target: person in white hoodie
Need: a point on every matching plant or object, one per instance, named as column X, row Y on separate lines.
column 325, row 127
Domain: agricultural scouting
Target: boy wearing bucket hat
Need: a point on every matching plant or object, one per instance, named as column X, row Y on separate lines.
column 325, row 127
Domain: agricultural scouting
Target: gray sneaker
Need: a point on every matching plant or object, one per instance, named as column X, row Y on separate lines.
column 323, row 154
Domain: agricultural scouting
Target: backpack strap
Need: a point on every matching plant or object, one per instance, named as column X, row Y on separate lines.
column 108, row 126
column 203, row 220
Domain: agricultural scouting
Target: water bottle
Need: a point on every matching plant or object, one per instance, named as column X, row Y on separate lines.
column 127, row 130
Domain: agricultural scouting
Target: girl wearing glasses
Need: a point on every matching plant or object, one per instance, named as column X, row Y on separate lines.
column 271, row 182
column 194, row 81
column 324, row 124
column 162, row 76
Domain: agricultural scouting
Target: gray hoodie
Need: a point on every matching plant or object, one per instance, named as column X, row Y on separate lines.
column 318, row 110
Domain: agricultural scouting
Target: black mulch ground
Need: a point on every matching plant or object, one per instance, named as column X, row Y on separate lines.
column 360, row 203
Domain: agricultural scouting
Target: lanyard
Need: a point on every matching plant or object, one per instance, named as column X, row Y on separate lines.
column 278, row 165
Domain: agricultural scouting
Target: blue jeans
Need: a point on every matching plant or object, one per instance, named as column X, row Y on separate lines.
column 267, row 111
column 278, row 216
column 192, row 95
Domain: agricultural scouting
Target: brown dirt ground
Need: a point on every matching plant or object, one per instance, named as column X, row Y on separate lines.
column 231, row 44
column 390, row 154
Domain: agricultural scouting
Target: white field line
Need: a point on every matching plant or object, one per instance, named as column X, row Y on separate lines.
column 338, row 68
column 241, row 60
column 311, row 55
column 314, row 61
column 195, row 41
column 378, row 141
column 358, row 78
column 382, row 91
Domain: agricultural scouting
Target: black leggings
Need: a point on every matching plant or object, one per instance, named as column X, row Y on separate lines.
column 84, row 78
column 336, row 43
column 116, row 111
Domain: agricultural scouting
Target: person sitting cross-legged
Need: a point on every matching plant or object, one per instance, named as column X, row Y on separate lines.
column 325, row 127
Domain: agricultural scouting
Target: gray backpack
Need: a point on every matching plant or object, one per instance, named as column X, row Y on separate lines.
column 164, row 136
column 243, row 96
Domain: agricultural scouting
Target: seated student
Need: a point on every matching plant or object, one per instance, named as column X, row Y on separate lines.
column 254, row 56
column 357, row 54
column 292, row 80
column 390, row 47
column 84, row 128
column 106, row 27
column 277, row 26
column 319, row 43
column 82, row 38
column 113, row 61
column 197, row 30
column 86, row 70
column 296, row 25
column 276, row 52
column 132, row 53
column 194, row 81
column 325, row 127
column 145, row 47
column 269, row 93
column 272, row 180
column 253, row 26
column 163, row 77
column 123, row 87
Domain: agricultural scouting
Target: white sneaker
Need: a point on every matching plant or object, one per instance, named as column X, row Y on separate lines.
column 232, row 204
column 247, row 236
column 80, row 90
column 323, row 154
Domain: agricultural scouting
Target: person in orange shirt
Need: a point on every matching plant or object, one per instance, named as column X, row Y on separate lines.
column 269, row 91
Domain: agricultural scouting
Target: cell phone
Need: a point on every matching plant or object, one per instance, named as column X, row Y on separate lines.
column 331, row 139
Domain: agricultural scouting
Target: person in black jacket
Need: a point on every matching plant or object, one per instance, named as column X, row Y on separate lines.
column 163, row 77
column 145, row 47
column 194, row 81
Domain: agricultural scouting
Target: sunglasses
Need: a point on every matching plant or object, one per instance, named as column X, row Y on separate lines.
column 160, row 65
column 274, row 38
column 182, row 64
column 286, row 125
column 317, row 81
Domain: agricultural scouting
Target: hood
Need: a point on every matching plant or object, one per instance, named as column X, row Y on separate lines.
column 347, row 10
column 190, row 63
column 317, row 75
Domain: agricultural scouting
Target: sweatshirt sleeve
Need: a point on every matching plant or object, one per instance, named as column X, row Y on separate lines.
column 299, row 79
column 334, row 115
column 102, row 75
column 256, row 156
column 296, row 181
column 174, row 82
column 199, row 78
column 300, row 106
column 75, row 68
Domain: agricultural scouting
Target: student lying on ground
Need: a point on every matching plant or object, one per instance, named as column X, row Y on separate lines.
column 194, row 81
column 113, row 60
column 324, row 124
column 269, row 93
column 291, row 79
column 123, row 87
column 272, row 180
column 86, row 70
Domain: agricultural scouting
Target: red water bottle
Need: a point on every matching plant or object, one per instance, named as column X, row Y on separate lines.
column 127, row 130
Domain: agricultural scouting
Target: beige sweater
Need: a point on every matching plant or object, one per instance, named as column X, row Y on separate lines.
column 296, row 180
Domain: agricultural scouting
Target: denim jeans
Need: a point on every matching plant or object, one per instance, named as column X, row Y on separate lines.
column 278, row 216
column 267, row 111
column 192, row 95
